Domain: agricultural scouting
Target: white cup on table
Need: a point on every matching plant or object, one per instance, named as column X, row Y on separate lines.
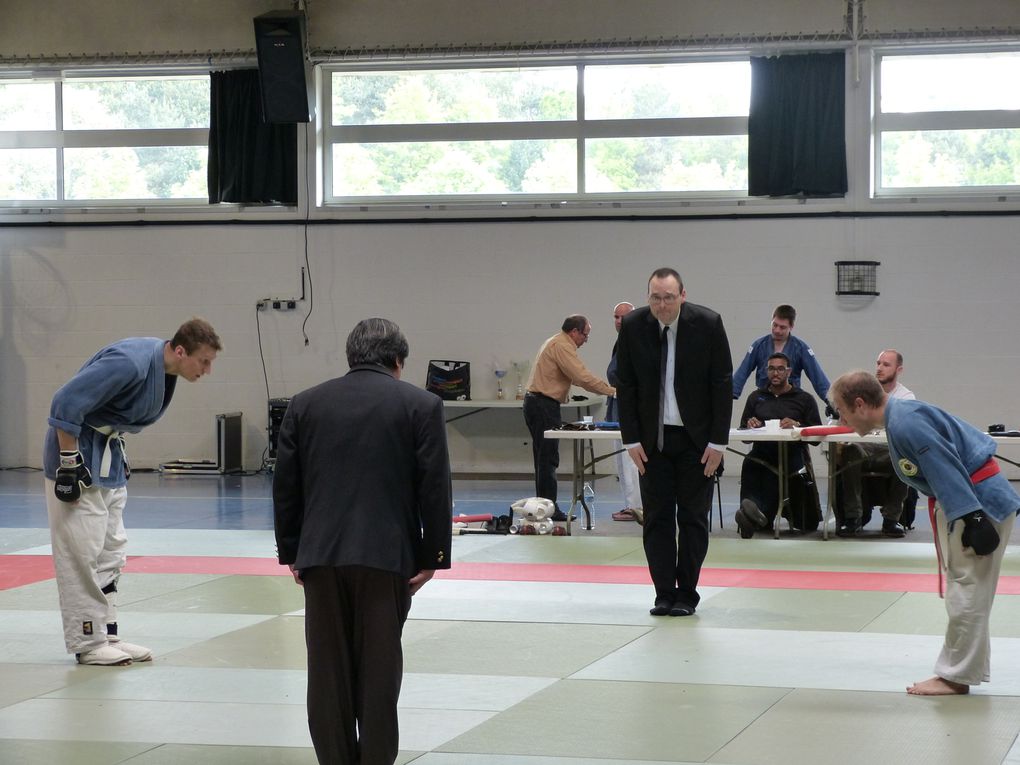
column 772, row 426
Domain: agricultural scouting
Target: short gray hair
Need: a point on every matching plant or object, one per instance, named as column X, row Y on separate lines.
column 854, row 385
column 574, row 321
column 377, row 341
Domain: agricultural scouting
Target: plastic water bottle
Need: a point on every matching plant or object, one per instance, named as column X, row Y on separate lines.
column 589, row 493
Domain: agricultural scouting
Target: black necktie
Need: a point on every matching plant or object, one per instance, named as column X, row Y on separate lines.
column 663, row 355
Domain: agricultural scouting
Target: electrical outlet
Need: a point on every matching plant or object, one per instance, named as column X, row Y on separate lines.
column 277, row 304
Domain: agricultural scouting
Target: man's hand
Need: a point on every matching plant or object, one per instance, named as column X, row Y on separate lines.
column 637, row 454
column 417, row 581
column 754, row 422
column 72, row 477
column 296, row 573
column 711, row 460
column 979, row 534
column 788, row 422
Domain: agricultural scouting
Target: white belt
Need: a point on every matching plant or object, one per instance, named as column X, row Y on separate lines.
column 111, row 436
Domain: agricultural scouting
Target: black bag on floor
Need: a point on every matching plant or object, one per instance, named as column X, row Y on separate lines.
column 804, row 509
column 909, row 509
column 450, row 380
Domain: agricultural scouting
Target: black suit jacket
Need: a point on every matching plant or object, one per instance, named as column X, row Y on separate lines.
column 363, row 476
column 702, row 379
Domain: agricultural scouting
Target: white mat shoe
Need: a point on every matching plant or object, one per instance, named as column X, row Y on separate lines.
column 105, row 655
column 136, row 652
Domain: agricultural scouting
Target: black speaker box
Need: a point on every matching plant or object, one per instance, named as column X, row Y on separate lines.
column 284, row 74
column 277, row 409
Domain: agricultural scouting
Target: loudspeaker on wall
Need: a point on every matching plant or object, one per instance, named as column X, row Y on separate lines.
column 284, row 74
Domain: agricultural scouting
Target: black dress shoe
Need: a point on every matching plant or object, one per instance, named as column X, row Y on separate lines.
column 754, row 513
column 744, row 524
column 749, row 518
column 893, row 529
column 661, row 608
column 681, row 609
column 560, row 516
column 849, row 529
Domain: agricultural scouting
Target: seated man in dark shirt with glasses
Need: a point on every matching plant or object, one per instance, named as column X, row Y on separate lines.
column 759, row 485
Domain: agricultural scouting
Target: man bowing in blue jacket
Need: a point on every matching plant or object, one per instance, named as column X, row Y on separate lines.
column 973, row 508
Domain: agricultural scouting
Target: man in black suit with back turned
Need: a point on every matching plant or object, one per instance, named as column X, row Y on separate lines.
column 675, row 399
column 362, row 505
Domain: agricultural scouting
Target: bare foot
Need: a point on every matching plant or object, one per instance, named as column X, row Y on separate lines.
column 938, row 686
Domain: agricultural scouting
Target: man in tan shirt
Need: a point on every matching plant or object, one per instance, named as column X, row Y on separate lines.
column 556, row 368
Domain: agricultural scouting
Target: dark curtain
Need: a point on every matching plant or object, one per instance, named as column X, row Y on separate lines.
column 796, row 144
column 250, row 161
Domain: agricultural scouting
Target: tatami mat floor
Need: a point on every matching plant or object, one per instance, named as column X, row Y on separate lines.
column 531, row 651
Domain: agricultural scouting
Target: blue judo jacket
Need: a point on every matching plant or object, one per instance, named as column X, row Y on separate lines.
column 937, row 453
column 124, row 386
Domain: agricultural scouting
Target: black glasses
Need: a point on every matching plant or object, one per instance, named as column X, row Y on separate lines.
column 776, row 370
column 668, row 299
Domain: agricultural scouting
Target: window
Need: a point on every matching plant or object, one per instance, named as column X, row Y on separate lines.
column 567, row 132
column 947, row 122
column 104, row 139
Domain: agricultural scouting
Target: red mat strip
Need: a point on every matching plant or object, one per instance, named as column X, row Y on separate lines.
column 19, row 570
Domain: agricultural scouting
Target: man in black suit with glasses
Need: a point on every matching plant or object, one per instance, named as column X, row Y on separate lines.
column 675, row 401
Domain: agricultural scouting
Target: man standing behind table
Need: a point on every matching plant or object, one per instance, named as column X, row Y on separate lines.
column 557, row 367
column 781, row 340
column 362, row 507
column 123, row 388
column 625, row 467
column 875, row 458
column 973, row 505
column 675, row 399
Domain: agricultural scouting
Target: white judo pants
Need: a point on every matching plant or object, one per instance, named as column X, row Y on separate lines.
column 628, row 473
column 89, row 543
column 970, row 589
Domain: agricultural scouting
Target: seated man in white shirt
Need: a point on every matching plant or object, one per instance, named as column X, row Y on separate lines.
column 874, row 458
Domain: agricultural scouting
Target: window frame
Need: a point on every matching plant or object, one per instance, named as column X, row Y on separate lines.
column 579, row 129
column 887, row 122
column 59, row 138
column 865, row 125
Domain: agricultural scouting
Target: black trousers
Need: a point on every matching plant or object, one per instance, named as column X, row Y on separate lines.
column 354, row 617
column 761, row 486
column 542, row 413
column 677, row 498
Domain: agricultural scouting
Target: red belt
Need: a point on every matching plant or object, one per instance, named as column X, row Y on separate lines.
column 987, row 470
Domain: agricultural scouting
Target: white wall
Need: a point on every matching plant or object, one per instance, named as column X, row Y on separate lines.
column 490, row 293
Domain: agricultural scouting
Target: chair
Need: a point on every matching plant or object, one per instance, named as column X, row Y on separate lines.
column 873, row 491
column 718, row 496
